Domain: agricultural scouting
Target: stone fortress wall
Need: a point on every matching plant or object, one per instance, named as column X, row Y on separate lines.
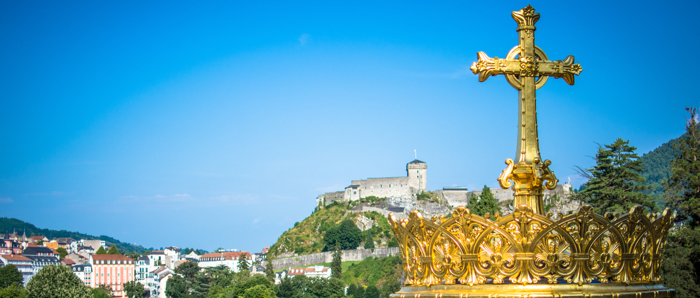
column 416, row 181
column 327, row 257
column 460, row 196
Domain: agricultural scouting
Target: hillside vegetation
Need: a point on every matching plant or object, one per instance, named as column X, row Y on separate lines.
column 657, row 165
column 7, row 225
column 307, row 236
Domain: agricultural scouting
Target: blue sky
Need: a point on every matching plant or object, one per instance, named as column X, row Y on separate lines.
column 217, row 124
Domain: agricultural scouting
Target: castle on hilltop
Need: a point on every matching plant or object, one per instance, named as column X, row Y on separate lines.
column 415, row 182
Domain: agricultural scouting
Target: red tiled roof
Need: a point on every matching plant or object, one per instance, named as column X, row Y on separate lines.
column 32, row 245
column 36, row 237
column 111, row 257
column 228, row 255
column 15, row 258
column 302, row 271
column 67, row 261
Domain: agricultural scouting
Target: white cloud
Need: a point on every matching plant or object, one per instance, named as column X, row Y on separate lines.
column 256, row 220
column 160, row 196
column 304, row 38
column 6, row 200
column 182, row 195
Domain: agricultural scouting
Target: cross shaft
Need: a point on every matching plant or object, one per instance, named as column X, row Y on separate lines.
column 527, row 68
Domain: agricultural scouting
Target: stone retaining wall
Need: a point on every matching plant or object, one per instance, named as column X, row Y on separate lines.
column 327, row 257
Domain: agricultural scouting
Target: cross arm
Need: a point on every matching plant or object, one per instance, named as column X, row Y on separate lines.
column 560, row 69
column 487, row 66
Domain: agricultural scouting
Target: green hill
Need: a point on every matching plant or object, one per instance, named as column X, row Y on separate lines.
column 7, row 225
column 306, row 237
column 657, row 165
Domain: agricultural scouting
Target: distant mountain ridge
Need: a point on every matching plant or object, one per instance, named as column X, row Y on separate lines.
column 7, row 225
column 657, row 165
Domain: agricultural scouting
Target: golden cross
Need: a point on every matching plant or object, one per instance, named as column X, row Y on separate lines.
column 527, row 68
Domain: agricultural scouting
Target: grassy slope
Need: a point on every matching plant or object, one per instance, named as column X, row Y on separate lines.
column 7, row 225
column 373, row 271
column 306, row 237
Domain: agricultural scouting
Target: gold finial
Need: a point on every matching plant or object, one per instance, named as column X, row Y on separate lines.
column 527, row 68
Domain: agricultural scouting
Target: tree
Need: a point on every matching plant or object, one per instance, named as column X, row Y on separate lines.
column 683, row 187
column 337, row 262
column 113, row 250
column 188, row 270
column 176, row 287
column 269, row 269
column 681, row 263
column 286, row 289
column 101, row 293
column 13, row 291
column 243, row 262
column 372, row 292
column 486, row 203
column 678, row 267
column 62, row 251
column 259, row 291
column 391, row 286
column 369, row 241
column 134, row 289
column 238, row 289
column 101, row 251
column 352, row 290
column 347, row 234
column 133, row 255
column 9, row 275
column 615, row 183
column 55, row 281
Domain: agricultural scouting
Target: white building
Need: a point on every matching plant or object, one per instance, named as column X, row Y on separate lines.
column 229, row 259
column 313, row 271
column 23, row 264
column 84, row 272
column 161, row 278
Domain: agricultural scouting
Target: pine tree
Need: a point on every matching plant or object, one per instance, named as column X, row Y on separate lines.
column 337, row 263
column 683, row 187
column 113, row 250
column 615, row 183
column 101, row 251
column 369, row 242
column 486, row 203
column 269, row 269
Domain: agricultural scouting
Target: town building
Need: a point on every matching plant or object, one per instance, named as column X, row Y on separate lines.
column 23, row 264
column 38, row 240
column 79, row 258
column 161, row 279
column 313, row 271
column 40, row 257
column 228, row 258
column 84, row 272
column 113, row 271
column 95, row 244
column 9, row 247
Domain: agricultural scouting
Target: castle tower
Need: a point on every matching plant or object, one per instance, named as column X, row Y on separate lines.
column 417, row 172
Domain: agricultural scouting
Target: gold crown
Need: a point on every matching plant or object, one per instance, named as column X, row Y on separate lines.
column 526, row 248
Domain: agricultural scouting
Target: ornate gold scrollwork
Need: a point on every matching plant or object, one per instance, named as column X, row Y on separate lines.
column 525, row 247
